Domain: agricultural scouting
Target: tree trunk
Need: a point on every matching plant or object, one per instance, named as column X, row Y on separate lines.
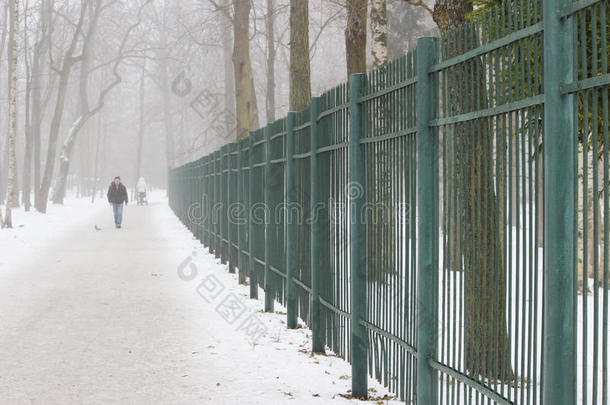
column 170, row 154
column 270, row 22
column 229, row 75
column 2, row 43
column 355, row 36
column 36, row 113
column 12, row 96
column 141, row 125
column 300, row 80
column 27, row 155
column 487, row 351
column 97, row 156
column 245, row 97
column 59, row 191
column 64, row 76
column 379, row 30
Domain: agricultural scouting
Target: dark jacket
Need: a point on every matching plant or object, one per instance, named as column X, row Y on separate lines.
column 117, row 195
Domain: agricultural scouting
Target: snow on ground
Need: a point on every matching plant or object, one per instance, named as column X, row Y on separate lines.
column 33, row 230
column 142, row 315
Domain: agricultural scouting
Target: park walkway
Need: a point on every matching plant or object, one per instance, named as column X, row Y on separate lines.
column 101, row 316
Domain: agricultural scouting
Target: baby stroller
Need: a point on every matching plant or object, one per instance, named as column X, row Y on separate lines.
column 142, row 198
column 141, row 191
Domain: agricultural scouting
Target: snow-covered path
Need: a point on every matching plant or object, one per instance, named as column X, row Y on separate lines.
column 103, row 317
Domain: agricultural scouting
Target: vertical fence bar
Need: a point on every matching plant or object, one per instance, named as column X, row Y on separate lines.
column 199, row 199
column 223, row 195
column 427, row 203
column 203, row 199
column 559, row 338
column 357, row 238
column 267, row 280
column 291, row 224
column 317, row 340
column 240, row 227
column 230, row 201
column 218, row 204
column 251, row 271
column 210, row 191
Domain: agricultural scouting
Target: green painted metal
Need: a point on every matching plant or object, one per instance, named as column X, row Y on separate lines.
column 291, row 225
column 268, row 218
column 230, row 198
column 468, row 148
column 241, row 231
column 251, row 270
column 559, row 338
column 217, row 207
column 317, row 333
column 355, row 190
column 427, row 192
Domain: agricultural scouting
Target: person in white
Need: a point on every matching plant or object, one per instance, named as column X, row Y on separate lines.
column 141, row 190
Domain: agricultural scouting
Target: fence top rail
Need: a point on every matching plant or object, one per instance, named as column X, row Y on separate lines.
column 576, row 6
column 488, row 48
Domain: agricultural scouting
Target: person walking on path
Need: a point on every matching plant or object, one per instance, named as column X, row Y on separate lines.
column 117, row 195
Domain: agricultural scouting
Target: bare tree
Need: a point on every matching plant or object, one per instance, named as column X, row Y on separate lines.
column 86, row 111
column 64, row 70
column 12, row 135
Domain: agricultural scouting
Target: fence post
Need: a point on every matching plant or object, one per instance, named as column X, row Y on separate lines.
column 559, row 338
column 356, row 197
column 317, row 342
column 210, row 190
column 267, row 281
column 291, row 225
column 223, row 197
column 207, row 202
column 199, row 199
column 218, row 203
column 251, row 272
column 240, row 227
column 230, row 201
column 202, row 197
column 427, row 224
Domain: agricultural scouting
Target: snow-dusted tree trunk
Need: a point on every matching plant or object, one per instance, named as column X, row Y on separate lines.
column 379, row 31
column 12, row 96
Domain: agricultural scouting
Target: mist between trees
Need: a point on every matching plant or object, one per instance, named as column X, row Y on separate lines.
column 99, row 88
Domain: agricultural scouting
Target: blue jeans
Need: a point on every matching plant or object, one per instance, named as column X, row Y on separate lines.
column 118, row 213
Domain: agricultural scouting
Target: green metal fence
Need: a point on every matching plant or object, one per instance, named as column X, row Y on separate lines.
column 439, row 222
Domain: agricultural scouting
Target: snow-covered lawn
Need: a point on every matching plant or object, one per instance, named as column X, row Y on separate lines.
column 143, row 315
column 33, row 230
